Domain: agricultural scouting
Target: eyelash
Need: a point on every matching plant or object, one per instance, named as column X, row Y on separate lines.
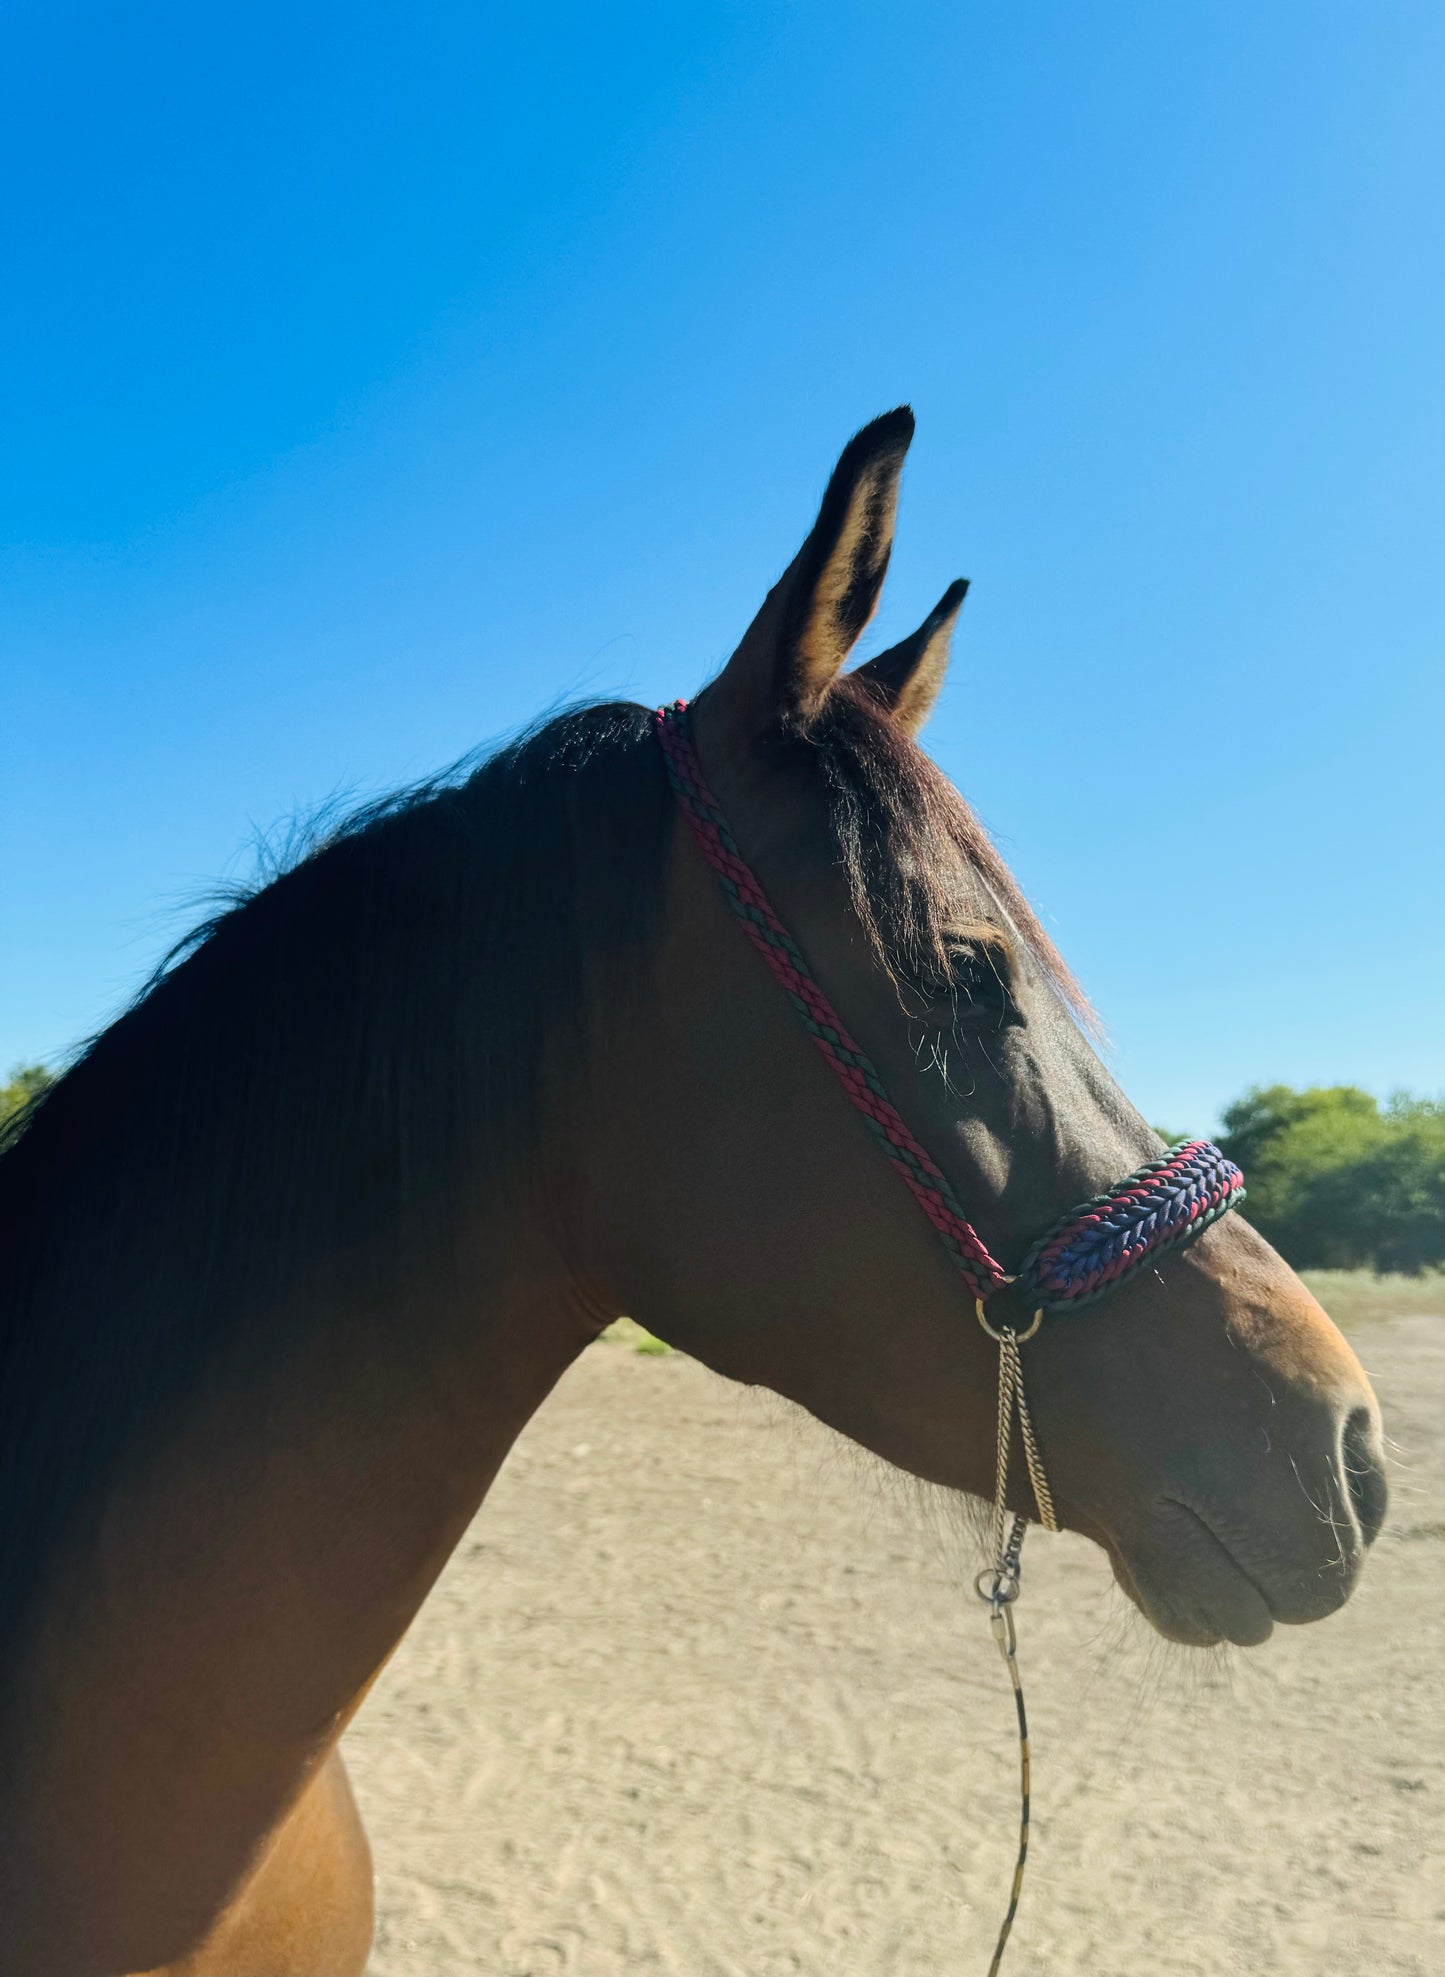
column 978, row 978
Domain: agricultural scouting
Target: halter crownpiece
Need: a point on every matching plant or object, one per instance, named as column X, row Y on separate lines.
column 1087, row 1254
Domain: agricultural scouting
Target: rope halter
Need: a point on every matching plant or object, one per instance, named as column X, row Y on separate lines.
column 1085, row 1255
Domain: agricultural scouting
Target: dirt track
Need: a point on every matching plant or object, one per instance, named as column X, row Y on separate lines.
column 702, row 1691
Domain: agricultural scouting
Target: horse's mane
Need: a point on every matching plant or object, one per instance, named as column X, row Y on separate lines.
column 323, row 1067
column 329, row 1059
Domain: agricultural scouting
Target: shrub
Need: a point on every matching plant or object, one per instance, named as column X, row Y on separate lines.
column 25, row 1082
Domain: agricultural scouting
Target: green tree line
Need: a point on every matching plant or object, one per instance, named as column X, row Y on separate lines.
column 1336, row 1181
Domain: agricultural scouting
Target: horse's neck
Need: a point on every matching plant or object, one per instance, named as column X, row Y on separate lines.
column 255, row 1570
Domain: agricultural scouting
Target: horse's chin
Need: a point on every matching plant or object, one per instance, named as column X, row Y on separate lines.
column 1192, row 1587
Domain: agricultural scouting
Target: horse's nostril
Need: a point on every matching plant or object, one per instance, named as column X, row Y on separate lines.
column 1361, row 1459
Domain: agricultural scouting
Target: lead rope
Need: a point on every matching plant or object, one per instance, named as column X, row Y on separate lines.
column 998, row 1586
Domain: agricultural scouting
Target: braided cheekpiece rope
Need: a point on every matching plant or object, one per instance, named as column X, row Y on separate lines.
column 1090, row 1250
column 846, row 1059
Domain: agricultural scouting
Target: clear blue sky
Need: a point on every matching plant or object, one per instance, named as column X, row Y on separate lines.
column 376, row 376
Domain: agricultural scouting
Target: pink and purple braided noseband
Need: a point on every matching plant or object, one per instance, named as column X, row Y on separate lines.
column 1084, row 1256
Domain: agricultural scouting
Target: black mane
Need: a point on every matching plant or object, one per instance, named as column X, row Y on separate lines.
column 325, row 1062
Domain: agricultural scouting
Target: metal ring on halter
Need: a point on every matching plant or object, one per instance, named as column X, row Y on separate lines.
column 997, row 1588
column 1008, row 1331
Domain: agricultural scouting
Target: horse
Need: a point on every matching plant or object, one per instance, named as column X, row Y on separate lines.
column 300, row 1242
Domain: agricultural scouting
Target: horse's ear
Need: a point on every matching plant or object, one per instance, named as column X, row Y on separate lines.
column 795, row 647
column 908, row 677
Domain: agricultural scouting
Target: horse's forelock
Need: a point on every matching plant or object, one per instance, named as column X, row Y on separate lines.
column 905, row 832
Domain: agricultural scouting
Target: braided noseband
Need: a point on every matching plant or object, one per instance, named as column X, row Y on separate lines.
column 1096, row 1246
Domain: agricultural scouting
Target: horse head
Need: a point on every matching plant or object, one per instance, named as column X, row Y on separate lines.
column 1205, row 1422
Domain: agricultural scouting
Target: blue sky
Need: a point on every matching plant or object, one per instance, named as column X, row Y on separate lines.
column 375, row 377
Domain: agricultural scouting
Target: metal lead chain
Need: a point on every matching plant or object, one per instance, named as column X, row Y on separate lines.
column 999, row 1586
column 1012, row 1399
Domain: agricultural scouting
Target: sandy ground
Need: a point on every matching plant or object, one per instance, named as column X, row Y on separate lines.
column 703, row 1691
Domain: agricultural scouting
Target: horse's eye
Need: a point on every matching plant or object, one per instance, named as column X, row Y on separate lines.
column 973, row 981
